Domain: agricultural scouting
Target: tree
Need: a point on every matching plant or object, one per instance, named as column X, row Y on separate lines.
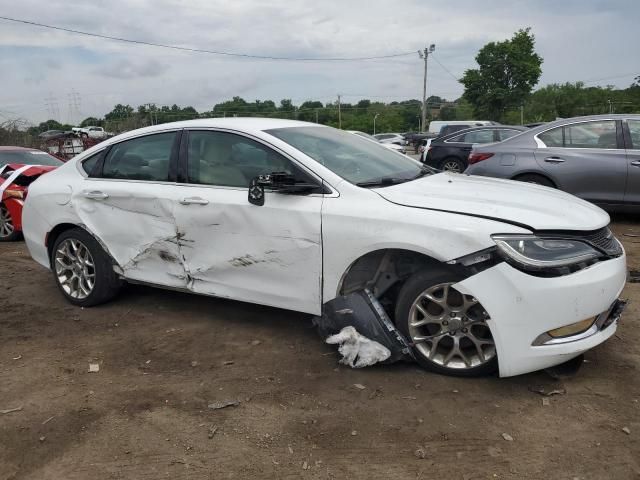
column 91, row 122
column 119, row 112
column 507, row 73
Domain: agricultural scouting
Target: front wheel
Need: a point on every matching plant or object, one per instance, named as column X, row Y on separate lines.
column 8, row 232
column 82, row 270
column 448, row 329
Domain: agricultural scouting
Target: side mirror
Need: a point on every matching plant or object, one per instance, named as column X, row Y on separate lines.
column 280, row 182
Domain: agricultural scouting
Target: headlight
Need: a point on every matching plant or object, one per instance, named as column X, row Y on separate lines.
column 538, row 253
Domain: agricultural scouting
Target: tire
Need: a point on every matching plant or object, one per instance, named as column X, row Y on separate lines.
column 8, row 233
column 432, row 353
column 452, row 164
column 77, row 254
column 535, row 178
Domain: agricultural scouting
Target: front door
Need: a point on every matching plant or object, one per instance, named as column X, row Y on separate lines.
column 270, row 254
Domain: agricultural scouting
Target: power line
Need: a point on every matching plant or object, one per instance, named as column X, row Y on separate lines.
column 211, row 52
column 445, row 69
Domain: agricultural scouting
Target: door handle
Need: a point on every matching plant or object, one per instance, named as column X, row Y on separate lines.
column 194, row 201
column 636, row 163
column 554, row 160
column 95, row 195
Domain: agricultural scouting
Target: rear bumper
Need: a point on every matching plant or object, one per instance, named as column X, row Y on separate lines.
column 523, row 307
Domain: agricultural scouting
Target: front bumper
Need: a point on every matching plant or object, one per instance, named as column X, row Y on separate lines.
column 522, row 307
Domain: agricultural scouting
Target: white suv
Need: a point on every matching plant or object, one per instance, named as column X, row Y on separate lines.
column 475, row 273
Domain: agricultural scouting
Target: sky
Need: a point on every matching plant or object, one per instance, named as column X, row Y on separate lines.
column 53, row 74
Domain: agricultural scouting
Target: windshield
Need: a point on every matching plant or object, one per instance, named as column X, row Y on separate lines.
column 29, row 157
column 350, row 156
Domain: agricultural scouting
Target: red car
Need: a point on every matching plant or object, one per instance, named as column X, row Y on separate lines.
column 19, row 167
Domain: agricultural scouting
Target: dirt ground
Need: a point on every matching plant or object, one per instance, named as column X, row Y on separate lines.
column 165, row 356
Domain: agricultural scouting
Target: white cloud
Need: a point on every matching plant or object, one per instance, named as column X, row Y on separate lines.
column 577, row 39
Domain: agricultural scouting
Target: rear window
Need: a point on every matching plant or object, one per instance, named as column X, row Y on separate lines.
column 29, row 157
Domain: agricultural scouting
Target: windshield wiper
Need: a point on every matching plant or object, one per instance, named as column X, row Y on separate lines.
column 382, row 182
column 425, row 170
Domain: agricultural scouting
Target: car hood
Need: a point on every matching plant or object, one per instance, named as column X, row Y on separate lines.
column 517, row 203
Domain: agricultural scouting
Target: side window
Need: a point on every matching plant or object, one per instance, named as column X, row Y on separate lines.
column 505, row 133
column 591, row 135
column 90, row 163
column 481, row 136
column 457, row 138
column 229, row 160
column 552, row 138
column 143, row 158
column 634, row 130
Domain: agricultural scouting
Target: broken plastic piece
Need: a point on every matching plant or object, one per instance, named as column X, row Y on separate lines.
column 362, row 311
column 358, row 351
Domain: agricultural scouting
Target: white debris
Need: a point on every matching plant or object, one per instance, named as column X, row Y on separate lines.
column 94, row 367
column 358, row 351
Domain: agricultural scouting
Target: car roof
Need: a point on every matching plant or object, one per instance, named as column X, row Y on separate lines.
column 16, row 149
column 586, row 118
column 246, row 124
column 484, row 127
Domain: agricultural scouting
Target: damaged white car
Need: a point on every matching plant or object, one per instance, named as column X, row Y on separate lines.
column 470, row 274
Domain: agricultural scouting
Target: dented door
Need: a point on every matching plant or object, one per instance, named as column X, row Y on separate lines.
column 268, row 254
column 129, row 205
column 135, row 222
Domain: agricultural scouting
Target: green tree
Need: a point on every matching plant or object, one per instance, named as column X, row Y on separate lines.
column 507, row 73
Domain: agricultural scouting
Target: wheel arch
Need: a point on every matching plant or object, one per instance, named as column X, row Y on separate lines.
column 537, row 173
column 59, row 229
column 383, row 268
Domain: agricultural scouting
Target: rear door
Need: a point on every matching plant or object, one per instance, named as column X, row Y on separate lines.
column 632, row 144
column 269, row 254
column 586, row 159
column 128, row 202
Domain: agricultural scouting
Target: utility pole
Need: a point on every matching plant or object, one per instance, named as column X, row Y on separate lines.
column 316, row 115
column 374, row 122
column 522, row 114
column 339, row 114
column 610, row 106
column 424, row 54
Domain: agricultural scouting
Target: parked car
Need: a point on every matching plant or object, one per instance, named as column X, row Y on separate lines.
column 391, row 146
column 51, row 134
column 436, row 126
column 396, row 138
column 475, row 273
column 450, row 152
column 92, row 132
column 19, row 167
column 596, row 158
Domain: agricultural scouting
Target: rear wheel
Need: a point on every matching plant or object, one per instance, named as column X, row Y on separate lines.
column 535, row 178
column 8, row 232
column 452, row 164
column 82, row 270
column 447, row 328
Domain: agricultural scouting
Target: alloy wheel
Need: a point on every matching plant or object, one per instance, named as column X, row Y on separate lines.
column 6, row 223
column 451, row 166
column 75, row 268
column 450, row 329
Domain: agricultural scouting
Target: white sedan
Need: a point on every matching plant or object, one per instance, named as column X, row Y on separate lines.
column 477, row 274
